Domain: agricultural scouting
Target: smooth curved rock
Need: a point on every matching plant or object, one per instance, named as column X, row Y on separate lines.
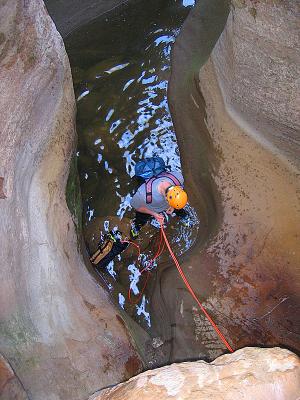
column 71, row 14
column 249, row 373
column 254, row 127
column 257, row 61
column 244, row 266
column 59, row 331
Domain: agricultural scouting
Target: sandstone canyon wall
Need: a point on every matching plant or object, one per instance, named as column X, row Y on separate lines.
column 71, row 14
column 237, row 124
column 60, row 333
column 239, row 147
column 257, row 62
column 249, row 373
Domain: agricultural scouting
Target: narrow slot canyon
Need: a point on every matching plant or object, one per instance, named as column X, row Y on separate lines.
column 88, row 90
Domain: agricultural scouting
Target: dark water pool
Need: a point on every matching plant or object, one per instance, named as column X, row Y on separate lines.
column 121, row 65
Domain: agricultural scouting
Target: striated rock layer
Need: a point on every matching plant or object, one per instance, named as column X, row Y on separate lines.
column 253, row 122
column 257, row 60
column 59, row 331
column 241, row 174
column 249, row 373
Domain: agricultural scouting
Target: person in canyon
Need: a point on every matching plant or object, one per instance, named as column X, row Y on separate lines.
column 160, row 194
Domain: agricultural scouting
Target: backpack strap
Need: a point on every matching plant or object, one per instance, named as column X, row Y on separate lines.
column 171, row 177
column 149, row 189
column 150, row 181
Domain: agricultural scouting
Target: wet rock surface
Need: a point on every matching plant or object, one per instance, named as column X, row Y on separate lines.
column 228, row 265
column 249, row 189
column 121, row 88
column 249, row 373
column 70, row 14
column 128, row 271
column 183, row 327
column 59, row 330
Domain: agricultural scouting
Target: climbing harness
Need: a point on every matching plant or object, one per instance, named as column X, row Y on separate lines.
column 150, row 181
column 149, row 170
column 163, row 236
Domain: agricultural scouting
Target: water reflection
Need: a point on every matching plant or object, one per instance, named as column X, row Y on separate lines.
column 123, row 116
column 129, row 123
column 188, row 3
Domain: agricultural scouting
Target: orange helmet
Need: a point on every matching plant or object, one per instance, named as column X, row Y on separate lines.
column 177, row 197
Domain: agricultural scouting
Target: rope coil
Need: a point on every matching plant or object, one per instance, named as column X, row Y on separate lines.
column 147, row 268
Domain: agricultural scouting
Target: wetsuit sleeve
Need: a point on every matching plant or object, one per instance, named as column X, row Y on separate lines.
column 138, row 201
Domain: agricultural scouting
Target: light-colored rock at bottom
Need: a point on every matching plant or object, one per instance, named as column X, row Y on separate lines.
column 249, row 373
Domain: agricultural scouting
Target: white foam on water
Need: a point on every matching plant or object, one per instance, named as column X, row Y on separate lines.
column 121, row 300
column 106, row 225
column 124, row 205
column 90, row 214
column 134, row 278
column 110, row 270
column 141, row 310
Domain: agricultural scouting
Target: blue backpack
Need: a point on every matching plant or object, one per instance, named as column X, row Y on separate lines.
column 150, row 169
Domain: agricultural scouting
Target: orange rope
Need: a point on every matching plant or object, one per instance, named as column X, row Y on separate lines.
column 134, row 244
column 192, row 292
column 158, row 253
column 142, row 291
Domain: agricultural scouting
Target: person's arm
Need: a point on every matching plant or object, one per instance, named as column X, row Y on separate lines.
column 158, row 217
